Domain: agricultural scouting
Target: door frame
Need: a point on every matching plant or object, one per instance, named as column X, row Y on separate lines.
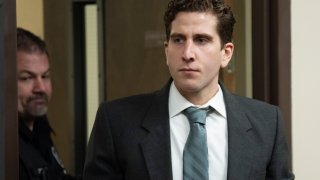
column 9, row 154
column 271, row 56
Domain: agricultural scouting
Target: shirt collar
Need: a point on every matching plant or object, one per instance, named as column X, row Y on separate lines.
column 177, row 103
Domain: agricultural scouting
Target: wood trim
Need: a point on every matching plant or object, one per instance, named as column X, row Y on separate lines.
column 282, row 63
column 260, row 51
column 272, row 56
column 80, row 102
column 9, row 167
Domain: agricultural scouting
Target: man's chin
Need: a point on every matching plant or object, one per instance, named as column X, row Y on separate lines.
column 36, row 112
column 39, row 113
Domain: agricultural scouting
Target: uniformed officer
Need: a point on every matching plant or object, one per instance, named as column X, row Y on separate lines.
column 38, row 159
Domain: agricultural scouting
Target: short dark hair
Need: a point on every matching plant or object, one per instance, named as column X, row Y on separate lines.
column 29, row 42
column 218, row 8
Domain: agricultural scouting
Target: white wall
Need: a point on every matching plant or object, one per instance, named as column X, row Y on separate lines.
column 92, row 65
column 306, row 88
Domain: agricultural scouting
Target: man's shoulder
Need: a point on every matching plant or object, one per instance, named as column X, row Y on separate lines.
column 253, row 104
column 242, row 101
column 258, row 112
column 249, row 100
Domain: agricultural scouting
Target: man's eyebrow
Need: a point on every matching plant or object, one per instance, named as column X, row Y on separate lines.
column 32, row 73
column 176, row 35
column 203, row 35
column 25, row 72
column 200, row 35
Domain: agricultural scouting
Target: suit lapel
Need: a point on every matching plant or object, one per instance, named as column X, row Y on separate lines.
column 156, row 145
column 238, row 128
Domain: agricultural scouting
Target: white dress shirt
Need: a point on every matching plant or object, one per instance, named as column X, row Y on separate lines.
column 217, row 134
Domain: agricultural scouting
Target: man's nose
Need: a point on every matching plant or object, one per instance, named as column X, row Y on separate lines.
column 188, row 52
column 39, row 85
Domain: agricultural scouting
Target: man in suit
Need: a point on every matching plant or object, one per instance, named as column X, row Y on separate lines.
column 145, row 136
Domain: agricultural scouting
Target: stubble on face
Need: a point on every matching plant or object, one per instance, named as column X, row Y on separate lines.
column 36, row 105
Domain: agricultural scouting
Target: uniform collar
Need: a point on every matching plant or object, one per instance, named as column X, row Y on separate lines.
column 41, row 128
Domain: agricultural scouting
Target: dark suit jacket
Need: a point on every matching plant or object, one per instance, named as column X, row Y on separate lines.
column 131, row 140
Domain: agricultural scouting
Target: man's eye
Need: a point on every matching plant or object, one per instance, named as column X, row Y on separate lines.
column 201, row 40
column 25, row 78
column 47, row 76
column 177, row 40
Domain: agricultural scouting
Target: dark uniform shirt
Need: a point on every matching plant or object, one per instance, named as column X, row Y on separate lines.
column 38, row 159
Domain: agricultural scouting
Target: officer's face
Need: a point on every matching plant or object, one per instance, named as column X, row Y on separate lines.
column 34, row 84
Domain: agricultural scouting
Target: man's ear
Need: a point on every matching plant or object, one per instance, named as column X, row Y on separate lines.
column 166, row 50
column 165, row 44
column 227, row 54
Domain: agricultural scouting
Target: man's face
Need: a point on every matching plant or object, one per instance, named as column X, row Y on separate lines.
column 34, row 84
column 194, row 54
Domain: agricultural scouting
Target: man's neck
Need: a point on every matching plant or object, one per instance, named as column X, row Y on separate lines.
column 28, row 120
column 199, row 98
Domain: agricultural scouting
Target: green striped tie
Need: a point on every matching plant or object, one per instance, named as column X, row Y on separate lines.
column 195, row 153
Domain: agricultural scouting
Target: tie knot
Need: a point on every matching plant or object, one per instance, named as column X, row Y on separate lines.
column 196, row 115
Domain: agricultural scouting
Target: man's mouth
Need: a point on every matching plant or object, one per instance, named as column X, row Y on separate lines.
column 38, row 99
column 188, row 70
